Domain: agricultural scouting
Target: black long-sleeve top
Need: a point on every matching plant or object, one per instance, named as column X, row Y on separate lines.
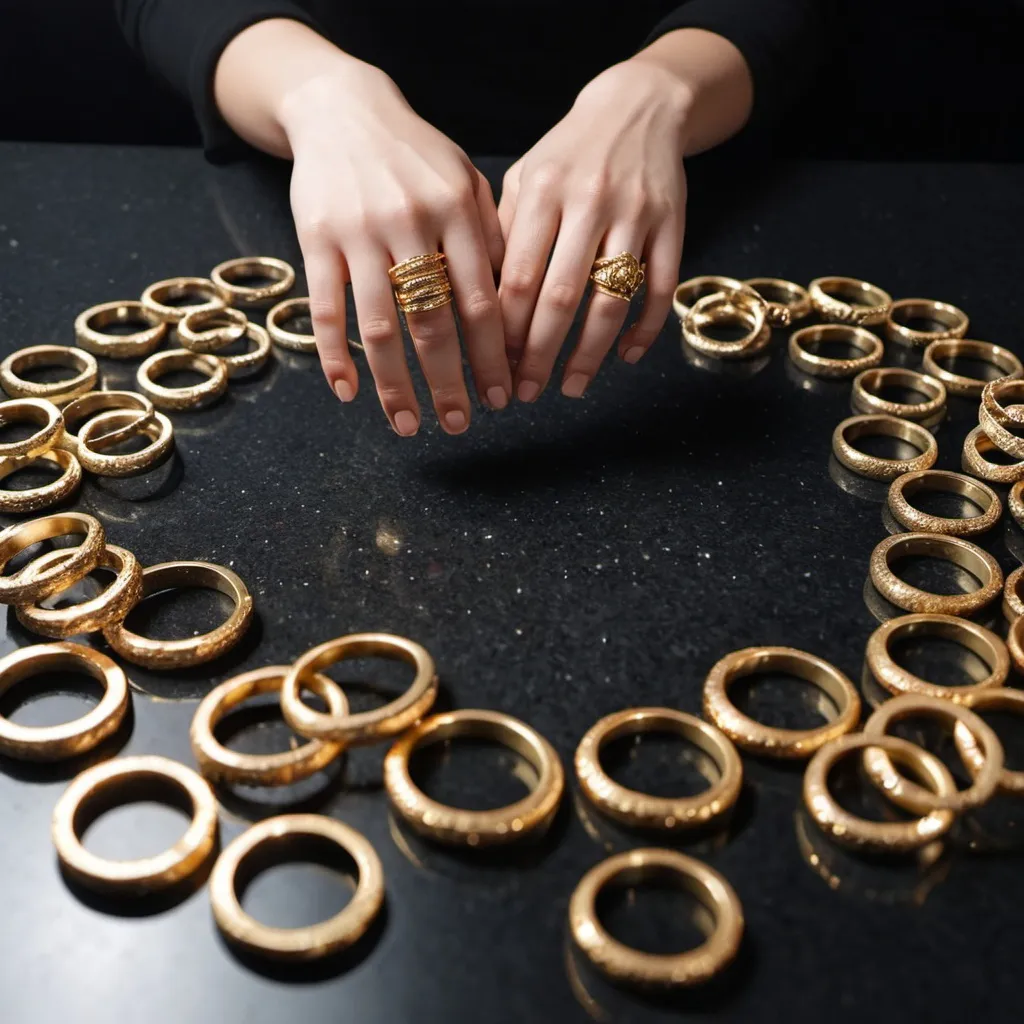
column 493, row 76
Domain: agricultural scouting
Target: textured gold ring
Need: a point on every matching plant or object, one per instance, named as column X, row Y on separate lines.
column 149, row 874
column 157, row 429
column 207, row 330
column 69, row 739
column 314, row 941
column 90, row 335
column 1015, row 503
column 1013, row 599
column 618, row 276
column 59, row 392
column 875, row 467
column 848, row 300
column 219, row 764
column 787, row 301
column 630, row 966
column 968, row 387
column 751, row 735
column 688, row 292
column 421, row 283
column 38, row 412
column 457, row 826
column 34, row 499
column 290, row 309
column 180, row 399
column 865, row 397
column 254, row 358
column 227, row 276
column 973, row 460
column 970, row 750
column 904, row 487
column 1015, row 643
column 643, row 810
column 952, row 322
column 1003, row 399
column 719, row 309
column 88, row 405
column 1007, row 442
column 161, row 297
column 821, row 366
column 193, row 650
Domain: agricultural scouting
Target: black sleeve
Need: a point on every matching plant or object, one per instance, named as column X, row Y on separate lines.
column 181, row 42
column 783, row 42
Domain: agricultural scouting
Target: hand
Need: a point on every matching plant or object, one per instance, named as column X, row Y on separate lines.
column 374, row 184
column 607, row 178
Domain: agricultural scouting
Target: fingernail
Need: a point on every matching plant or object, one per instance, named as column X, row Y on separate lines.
column 575, row 385
column 527, row 391
column 496, row 397
column 344, row 390
column 406, row 423
column 634, row 354
column 455, row 420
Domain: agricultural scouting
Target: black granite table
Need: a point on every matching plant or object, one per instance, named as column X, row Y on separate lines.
column 561, row 561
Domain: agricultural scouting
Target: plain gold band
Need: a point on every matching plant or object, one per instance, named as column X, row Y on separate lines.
column 136, row 345
column 36, row 411
column 874, row 466
column 867, row 384
column 968, row 387
column 290, row 309
column 905, row 487
column 59, row 392
column 953, row 321
column 822, row 366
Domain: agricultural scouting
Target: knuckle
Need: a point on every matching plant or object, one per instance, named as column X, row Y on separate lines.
column 432, row 333
column 594, row 186
column 326, row 313
column 562, row 297
column 457, row 200
column 518, row 280
column 392, row 396
column 315, row 228
column 545, row 178
column 477, row 306
column 448, row 396
column 376, row 332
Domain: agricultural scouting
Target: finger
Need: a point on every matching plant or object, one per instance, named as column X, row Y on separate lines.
column 509, row 199
column 381, row 336
column 326, row 276
column 494, row 239
column 663, row 255
column 604, row 318
column 560, row 296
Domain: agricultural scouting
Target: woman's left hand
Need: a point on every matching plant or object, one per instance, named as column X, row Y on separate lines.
column 607, row 178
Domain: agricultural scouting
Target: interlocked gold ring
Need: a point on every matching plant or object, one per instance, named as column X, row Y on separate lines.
column 207, row 330
column 290, row 309
column 973, row 461
column 1013, row 600
column 688, row 292
column 147, row 874
column 822, row 366
column 970, row 750
column 314, row 941
column 786, row 300
column 977, row 561
column 454, row 825
column 1015, row 643
column 226, row 275
column 865, row 397
column 109, row 606
column 158, row 430
column 909, row 795
column 59, row 392
column 91, row 337
column 719, row 308
column 156, row 298
column 1007, row 442
column 35, row 411
column 69, row 739
column 848, row 300
column 952, row 322
column 896, row 679
column 1001, row 400
column 875, row 467
column 180, row 399
column 751, row 735
column 366, row 726
column 93, row 402
column 969, row 387
column 219, row 764
column 33, row 499
column 630, row 966
column 193, row 650
column 641, row 809
column 905, row 487
column 252, row 360
column 619, row 276
column 421, row 283
column 862, row 834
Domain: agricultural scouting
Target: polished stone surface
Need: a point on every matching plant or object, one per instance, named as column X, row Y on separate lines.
column 561, row 561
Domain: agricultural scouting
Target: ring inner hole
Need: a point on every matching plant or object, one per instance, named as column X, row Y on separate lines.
column 48, row 373
column 900, row 393
column 940, row 661
column 296, row 881
column 724, row 328
column 471, row 773
column 38, row 473
column 181, row 379
column 782, row 701
column 84, row 590
column 131, row 325
column 946, row 504
column 990, row 453
column 968, row 366
column 178, row 297
column 920, row 322
column 1009, row 727
column 660, row 762
column 853, row 790
column 934, row 575
column 133, row 819
column 833, row 348
column 883, row 446
column 250, row 278
column 179, row 612
column 33, row 551
column 257, row 727
column 19, row 430
column 934, row 735
column 297, row 323
column 50, row 698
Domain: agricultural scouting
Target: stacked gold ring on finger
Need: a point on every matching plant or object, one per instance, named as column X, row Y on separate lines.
column 180, row 399
column 34, row 499
column 36, row 411
column 720, row 308
column 226, row 275
column 619, row 276
column 290, row 309
column 207, row 330
column 906, row 486
column 848, row 300
column 953, row 322
column 92, row 402
column 157, row 429
column 865, row 398
column 982, row 351
column 421, row 283
column 875, row 467
column 59, row 392
column 156, row 297
column 974, row 462
column 821, row 366
column 786, row 300
column 138, row 344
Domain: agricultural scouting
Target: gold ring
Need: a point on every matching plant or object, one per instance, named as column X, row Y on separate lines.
column 59, row 392
column 206, row 330
column 221, row 765
column 158, row 430
column 975, row 560
column 1001, row 398
column 630, row 966
column 35, row 411
column 874, row 466
column 952, row 322
column 313, row 941
column 226, row 277
column 27, row 588
column 109, row 606
column 641, row 809
column 69, row 739
column 909, row 795
column 1015, row 503
column 366, row 726
column 454, row 825
column 252, row 360
column 970, row 751
column 718, row 309
column 618, row 276
column 786, row 300
column 180, row 399
column 896, row 679
column 862, row 834
column 1015, row 643
column 290, row 309
column 193, row 650
column 688, row 292
column 147, row 874
column 906, row 486
column 848, row 300
column 91, row 337
column 421, row 283
column 1009, row 443
column 865, row 397
column 821, row 366
column 751, row 735
column 157, row 298
column 33, row 499
column 87, row 405
column 982, row 351
column 973, row 461
column 1013, row 600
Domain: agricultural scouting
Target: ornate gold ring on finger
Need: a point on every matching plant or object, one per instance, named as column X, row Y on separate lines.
column 619, row 276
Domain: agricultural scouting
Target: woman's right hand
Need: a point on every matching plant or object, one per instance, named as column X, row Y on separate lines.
column 374, row 184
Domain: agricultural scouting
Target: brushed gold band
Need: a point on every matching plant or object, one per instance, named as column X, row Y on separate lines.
column 970, row 750
column 93, row 402
column 874, row 466
column 905, row 487
column 848, row 300
column 181, row 399
column 59, row 392
column 952, row 322
column 821, row 366
column 865, row 397
column 90, row 335
column 786, row 300
column 160, row 295
column 982, row 351
column 157, row 428
column 34, row 499
column 227, row 275
column 207, row 330
column 36, row 411
column 974, row 462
